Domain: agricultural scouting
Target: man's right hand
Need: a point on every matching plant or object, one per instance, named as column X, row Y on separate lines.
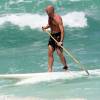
column 43, row 28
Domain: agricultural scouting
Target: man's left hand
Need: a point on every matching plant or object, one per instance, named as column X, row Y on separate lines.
column 60, row 44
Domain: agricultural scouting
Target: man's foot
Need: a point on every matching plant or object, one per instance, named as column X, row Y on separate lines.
column 65, row 67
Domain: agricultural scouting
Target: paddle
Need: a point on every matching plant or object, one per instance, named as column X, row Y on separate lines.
column 67, row 52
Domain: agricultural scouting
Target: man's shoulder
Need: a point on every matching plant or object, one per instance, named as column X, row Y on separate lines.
column 58, row 18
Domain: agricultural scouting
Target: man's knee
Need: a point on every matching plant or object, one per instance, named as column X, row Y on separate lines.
column 59, row 52
column 50, row 51
column 50, row 54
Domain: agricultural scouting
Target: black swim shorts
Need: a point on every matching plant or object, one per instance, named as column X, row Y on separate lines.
column 52, row 43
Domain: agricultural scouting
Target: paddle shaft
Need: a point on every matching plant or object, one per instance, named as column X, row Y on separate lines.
column 66, row 51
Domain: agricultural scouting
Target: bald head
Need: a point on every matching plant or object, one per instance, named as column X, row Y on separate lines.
column 50, row 10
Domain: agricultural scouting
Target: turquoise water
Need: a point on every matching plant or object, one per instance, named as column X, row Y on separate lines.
column 23, row 48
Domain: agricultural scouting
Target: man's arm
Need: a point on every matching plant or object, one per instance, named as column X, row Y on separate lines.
column 61, row 29
column 46, row 27
column 60, row 23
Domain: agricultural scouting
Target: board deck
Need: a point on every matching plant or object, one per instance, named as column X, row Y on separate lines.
column 31, row 78
column 29, row 75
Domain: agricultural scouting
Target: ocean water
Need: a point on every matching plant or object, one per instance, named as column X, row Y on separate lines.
column 23, row 49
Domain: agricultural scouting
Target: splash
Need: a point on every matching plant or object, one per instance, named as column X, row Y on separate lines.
column 72, row 19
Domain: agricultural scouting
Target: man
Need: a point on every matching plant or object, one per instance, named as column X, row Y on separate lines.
column 57, row 31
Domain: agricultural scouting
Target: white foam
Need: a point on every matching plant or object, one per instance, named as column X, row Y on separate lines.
column 20, row 1
column 7, row 97
column 73, row 19
column 54, row 1
column 11, row 2
column 74, row 0
column 76, row 99
column 22, row 20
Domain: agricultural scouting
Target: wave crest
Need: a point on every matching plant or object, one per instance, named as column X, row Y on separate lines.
column 72, row 19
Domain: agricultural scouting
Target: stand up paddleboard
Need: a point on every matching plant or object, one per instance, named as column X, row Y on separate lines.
column 32, row 78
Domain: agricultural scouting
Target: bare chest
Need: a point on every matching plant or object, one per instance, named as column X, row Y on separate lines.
column 53, row 23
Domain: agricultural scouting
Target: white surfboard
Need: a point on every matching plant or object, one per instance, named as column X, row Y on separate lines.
column 47, row 77
column 16, row 76
column 32, row 78
column 43, row 74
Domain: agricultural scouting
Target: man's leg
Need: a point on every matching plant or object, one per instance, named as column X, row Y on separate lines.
column 50, row 58
column 62, row 58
